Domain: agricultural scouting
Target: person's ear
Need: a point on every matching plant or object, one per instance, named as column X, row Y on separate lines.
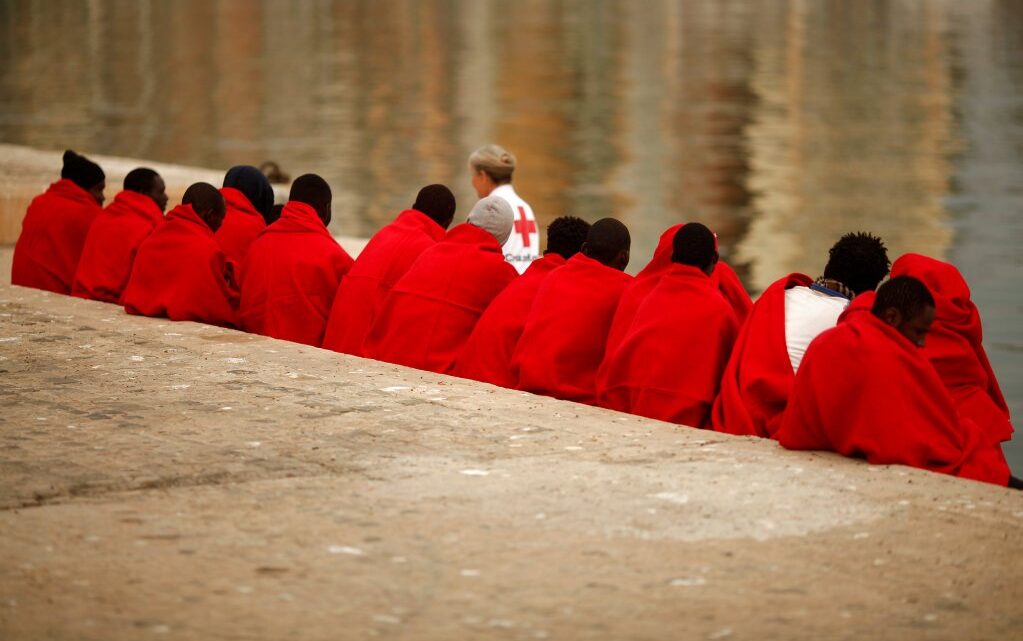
column 713, row 264
column 892, row 316
column 623, row 260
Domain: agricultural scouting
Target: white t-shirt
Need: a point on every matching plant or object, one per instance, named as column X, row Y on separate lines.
column 808, row 313
column 523, row 246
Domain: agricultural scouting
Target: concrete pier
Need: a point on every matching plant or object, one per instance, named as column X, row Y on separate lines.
column 175, row 480
column 178, row 481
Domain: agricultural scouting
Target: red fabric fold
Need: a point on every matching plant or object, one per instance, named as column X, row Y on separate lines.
column 242, row 225
column 955, row 345
column 111, row 245
column 488, row 352
column 290, row 276
column 669, row 363
column 431, row 311
column 864, row 390
column 385, row 259
column 53, row 233
column 180, row 272
column 564, row 338
column 758, row 378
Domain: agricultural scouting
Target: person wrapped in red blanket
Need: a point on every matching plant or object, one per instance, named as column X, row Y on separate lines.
column 180, row 271
column 668, row 364
column 866, row 389
column 563, row 340
column 787, row 316
column 292, row 271
column 250, row 201
column 116, row 234
column 55, row 226
column 955, row 345
column 384, row 260
column 431, row 311
column 488, row 352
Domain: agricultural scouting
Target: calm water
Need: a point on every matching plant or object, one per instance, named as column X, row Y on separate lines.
column 781, row 125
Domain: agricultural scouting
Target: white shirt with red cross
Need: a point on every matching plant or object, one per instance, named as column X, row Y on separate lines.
column 523, row 246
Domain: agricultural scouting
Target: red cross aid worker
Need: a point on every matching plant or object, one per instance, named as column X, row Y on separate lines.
column 491, row 167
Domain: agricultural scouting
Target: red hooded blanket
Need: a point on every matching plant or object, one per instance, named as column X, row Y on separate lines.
column 563, row 341
column 386, row 258
column 757, row 380
column 52, row 236
column 864, row 390
column 487, row 354
column 110, row 247
column 181, row 272
column 242, row 224
column 669, row 363
column 433, row 308
column 289, row 277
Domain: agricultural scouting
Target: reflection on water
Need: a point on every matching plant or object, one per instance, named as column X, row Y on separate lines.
column 780, row 124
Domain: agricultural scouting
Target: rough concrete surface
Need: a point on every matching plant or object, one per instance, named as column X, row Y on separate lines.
column 164, row 480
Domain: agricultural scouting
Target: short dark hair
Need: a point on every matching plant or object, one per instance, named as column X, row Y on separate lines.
column 313, row 191
column 606, row 239
column 140, row 180
column 859, row 261
column 566, row 235
column 904, row 293
column 694, row 245
column 207, row 201
column 437, row 202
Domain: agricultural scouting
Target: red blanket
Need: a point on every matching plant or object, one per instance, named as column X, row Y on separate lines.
column 242, row 224
column 864, row 390
column 289, row 277
column 110, row 247
column 955, row 345
column 52, row 236
column 431, row 311
column 563, row 341
column 181, row 272
column 386, row 258
column 488, row 352
column 669, row 363
column 758, row 378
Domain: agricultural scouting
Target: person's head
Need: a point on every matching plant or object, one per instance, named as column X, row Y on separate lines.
column 490, row 165
column 84, row 173
column 147, row 182
column 608, row 242
column 907, row 305
column 695, row 245
column 438, row 203
column 313, row 191
column 207, row 202
column 566, row 235
column 859, row 261
column 254, row 185
column 493, row 214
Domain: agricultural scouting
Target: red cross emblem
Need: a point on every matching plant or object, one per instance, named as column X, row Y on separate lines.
column 524, row 226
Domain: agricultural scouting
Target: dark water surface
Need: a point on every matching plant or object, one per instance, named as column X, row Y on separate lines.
column 781, row 125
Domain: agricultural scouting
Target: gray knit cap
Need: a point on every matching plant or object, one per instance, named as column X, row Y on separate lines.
column 495, row 215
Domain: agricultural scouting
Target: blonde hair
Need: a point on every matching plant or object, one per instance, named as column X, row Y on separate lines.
column 494, row 160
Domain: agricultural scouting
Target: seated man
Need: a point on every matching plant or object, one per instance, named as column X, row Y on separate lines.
column 431, row 311
column 563, row 340
column 55, row 226
column 866, row 389
column 488, row 352
column 955, row 345
column 180, row 271
column 783, row 321
column 291, row 273
column 116, row 234
column 669, row 362
column 384, row 260
column 250, row 201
